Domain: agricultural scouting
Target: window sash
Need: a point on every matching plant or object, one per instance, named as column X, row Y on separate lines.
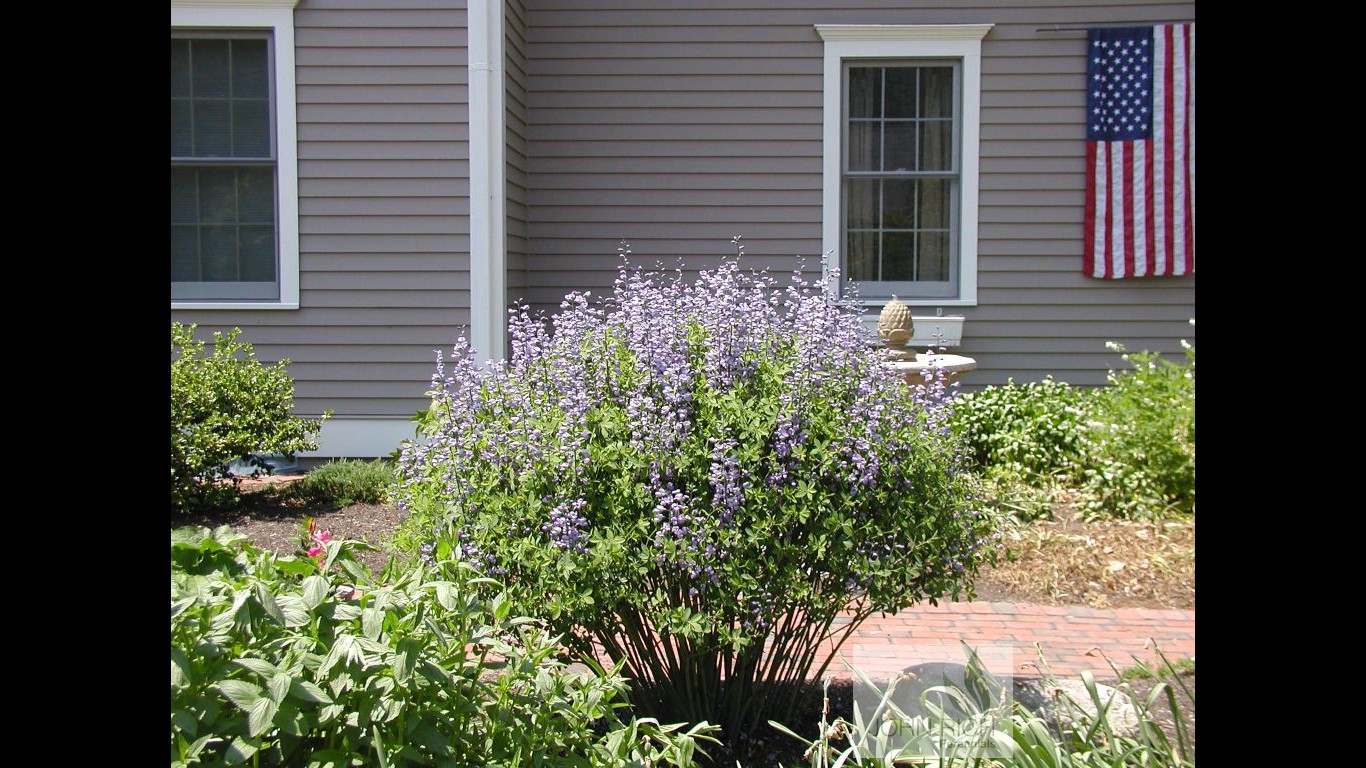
column 219, row 240
column 879, row 259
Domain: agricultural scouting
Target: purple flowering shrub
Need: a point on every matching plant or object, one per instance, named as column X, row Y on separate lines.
column 689, row 469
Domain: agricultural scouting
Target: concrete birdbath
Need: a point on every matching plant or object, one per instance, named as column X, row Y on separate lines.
column 895, row 328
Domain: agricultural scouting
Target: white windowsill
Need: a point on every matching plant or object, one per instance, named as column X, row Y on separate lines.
column 233, row 305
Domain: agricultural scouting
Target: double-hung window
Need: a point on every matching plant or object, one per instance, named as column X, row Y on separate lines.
column 222, row 169
column 234, row 220
column 901, row 136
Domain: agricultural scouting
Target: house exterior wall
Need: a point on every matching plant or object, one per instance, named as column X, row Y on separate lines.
column 514, row 67
column 383, row 211
column 675, row 125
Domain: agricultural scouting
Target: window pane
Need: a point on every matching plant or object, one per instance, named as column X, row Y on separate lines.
column 865, row 92
column 184, row 253
column 898, row 256
column 182, row 142
column 250, row 69
column 865, row 146
column 898, row 204
column 901, row 87
column 212, row 128
column 934, row 204
column 861, row 259
column 899, row 146
column 933, row 256
column 219, row 253
column 256, row 196
column 180, row 68
column 936, row 92
column 936, row 145
column 184, row 205
column 251, row 128
column 209, row 68
column 258, row 253
column 863, row 204
column 217, row 196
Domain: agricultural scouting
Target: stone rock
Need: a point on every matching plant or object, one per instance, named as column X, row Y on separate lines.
column 1062, row 702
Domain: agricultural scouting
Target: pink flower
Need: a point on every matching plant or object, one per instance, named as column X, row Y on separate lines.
column 316, row 551
column 322, row 537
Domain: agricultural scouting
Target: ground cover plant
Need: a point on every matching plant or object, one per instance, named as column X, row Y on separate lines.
column 1126, row 449
column 307, row 661
column 698, row 477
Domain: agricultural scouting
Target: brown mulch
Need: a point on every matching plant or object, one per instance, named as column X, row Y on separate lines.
column 1068, row 560
column 271, row 521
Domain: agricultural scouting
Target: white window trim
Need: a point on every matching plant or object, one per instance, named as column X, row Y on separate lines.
column 277, row 16
column 906, row 41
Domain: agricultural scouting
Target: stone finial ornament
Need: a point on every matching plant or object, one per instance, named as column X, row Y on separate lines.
column 895, row 328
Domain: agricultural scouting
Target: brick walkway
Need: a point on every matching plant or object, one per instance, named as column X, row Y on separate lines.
column 1004, row 635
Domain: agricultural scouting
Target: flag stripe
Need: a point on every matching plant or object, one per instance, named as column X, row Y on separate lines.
column 1126, row 218
column 1090, row 246
column 1140, row 203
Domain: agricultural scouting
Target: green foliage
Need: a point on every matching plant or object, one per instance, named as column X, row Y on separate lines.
column 288, row 661
column 344, row 482
column 1031, row 430
column 1128, row 448
column 978, row 724
column 1141, row 460
column 227, row 406
column 1142, row 671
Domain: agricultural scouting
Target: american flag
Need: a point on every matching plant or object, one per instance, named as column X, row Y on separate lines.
column 1140, row 151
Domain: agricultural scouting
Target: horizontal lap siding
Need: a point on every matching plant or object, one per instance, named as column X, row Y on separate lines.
column 383, row 207
column 676, row 124
column 515, row 182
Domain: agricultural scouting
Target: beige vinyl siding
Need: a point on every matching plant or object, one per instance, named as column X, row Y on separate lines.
column 677, row 124
column 383, row 207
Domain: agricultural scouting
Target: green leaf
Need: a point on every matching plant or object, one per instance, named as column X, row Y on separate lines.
column 445, row 596
column 259, row 666
column 180, row 669
column 239, row 751
column 329, row 757
column 268, row 604
column 295, row 566
column 371, row 622
column 303, row 690
column 430, row 738
column 279, row 687
column 295, row 610
column 178, row 606
column 240, row 692
column 315, row 591
column 185, row 722
column 405, row 658
column 259, row 717
column 197, row 746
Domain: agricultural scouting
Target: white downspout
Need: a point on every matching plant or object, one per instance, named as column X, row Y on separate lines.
column 488, row 242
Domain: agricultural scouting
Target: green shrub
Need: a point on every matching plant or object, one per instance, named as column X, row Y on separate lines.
column 344, row 482
column 292, row 661
column 1141, row 445
column 1032, row 430
column 1127, row 448
column 689, row 471
column 227, row 406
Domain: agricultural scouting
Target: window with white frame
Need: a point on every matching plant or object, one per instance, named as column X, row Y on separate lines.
column 234, row 200
column 900, row 174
